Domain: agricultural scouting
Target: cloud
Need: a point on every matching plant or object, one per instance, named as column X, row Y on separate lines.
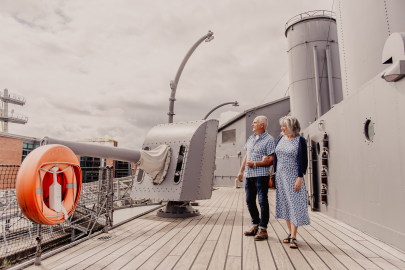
column 94, row 69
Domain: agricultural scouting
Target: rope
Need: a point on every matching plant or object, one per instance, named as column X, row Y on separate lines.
column 287, row 91
column 271, row 90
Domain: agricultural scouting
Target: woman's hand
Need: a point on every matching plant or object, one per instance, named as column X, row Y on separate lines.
column 298, row 183
column 250, row 164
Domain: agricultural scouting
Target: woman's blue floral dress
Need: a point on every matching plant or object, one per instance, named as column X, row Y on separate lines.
column 290, row 205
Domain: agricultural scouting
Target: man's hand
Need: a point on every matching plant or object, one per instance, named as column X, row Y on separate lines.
column 240, row 176
column 250, row 164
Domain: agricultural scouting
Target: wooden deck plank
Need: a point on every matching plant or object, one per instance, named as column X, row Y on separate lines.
column 305, row 249
column 233, row 263
column 218, row 259
column 359, row 258
column 347, row 249
column 392, row 250
column 129, row 255
column 204, row 257
column 186, row 242
column 187, row 259
column 215, row 240
column 250, row 259
column 273, row 238
column 235, row 247
column 327, row 234
column 160, row 255
column 307, row 252
column 350, row 251
column 383, row 264
column 347, row 239
column 316, row 217
column 168, row 263
column 294, row 254
column 322, row 252
column 110, row 248
column 91, row 245
column 266, row 260
column 216, row 231
column 82, row 247
column 138, row 237
column 155, row 246
column 384, row 254
column 133, row 250
column 119, row 248
column 333, row 249
column 282, row 260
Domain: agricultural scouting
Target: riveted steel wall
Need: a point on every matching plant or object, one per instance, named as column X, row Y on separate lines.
column 366, row 179
column 363, row 27
column 302, row 37
column 195, row 177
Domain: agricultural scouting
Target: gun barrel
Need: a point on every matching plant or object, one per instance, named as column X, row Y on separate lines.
column 100, row 151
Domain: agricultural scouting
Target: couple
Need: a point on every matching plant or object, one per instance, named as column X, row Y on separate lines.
column 289, row 159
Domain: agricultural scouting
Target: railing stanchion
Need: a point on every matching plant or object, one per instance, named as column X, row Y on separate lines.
column 39, row 243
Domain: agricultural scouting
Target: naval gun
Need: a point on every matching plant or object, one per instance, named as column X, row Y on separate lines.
column 190, row 171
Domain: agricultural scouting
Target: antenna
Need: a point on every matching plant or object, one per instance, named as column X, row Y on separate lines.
column 17, row 118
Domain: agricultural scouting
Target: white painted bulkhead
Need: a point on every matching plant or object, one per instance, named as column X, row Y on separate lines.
column 366, row 179
column 363, row 28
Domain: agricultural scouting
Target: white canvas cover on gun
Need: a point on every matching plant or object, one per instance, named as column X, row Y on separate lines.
column 155, row 163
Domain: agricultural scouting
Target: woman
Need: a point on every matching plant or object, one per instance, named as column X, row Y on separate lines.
column 290, row 165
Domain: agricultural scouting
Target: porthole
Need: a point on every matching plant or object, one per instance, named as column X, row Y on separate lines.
column 369, row 130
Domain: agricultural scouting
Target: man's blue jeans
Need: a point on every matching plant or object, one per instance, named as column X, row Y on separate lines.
column 258, row 186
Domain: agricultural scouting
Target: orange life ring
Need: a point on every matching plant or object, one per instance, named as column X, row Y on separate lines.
column 36, row 179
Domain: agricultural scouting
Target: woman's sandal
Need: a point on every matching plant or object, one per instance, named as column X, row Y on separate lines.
column 293, row 243
column 287, row 240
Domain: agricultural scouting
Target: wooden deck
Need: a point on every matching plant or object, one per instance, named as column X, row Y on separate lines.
column 214, row 240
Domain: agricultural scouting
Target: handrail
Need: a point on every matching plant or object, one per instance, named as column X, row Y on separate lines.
column 14, row 96
column 310, row 14
column 16, row 116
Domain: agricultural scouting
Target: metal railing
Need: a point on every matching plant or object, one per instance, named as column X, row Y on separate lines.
column 15, row 117
column 94, row 212
column 14, row 97
column 122, row 190
column 310, row 15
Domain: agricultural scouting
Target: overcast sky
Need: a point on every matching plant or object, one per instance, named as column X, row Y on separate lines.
column 102, row 69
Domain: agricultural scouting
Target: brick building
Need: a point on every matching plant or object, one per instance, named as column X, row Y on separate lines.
column 14, row 148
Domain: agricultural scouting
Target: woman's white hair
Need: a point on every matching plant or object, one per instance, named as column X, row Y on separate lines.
column 263, row 120
column 292, row 124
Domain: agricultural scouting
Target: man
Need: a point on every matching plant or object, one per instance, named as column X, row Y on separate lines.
column 257, row 172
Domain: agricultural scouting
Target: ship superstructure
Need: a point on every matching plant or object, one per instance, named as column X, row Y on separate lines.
column 359, row 177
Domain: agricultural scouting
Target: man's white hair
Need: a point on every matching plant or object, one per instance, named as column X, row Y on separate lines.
column 263, row 120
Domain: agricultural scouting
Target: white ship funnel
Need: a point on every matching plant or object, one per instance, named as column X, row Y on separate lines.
column 313, row 54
